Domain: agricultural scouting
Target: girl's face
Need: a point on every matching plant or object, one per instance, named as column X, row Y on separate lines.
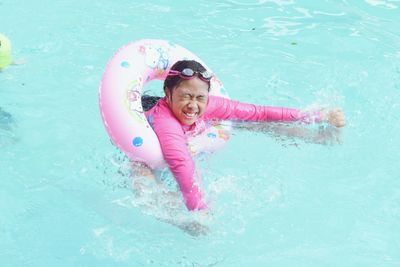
column 188, row 101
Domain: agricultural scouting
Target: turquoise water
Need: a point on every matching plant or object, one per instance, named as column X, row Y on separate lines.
column 65, row 196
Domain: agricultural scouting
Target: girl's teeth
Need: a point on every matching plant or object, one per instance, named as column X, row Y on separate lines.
column 190, row 114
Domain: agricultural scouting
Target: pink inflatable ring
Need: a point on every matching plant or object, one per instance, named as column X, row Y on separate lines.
column 121, row 87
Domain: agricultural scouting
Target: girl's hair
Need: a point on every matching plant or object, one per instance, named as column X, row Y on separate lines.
column 172, row 81
column 149, row 101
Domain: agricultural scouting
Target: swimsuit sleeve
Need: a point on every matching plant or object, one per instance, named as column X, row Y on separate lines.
column 173, row 143
column 226, row 109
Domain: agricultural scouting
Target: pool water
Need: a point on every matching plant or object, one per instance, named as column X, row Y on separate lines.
column 65, row 191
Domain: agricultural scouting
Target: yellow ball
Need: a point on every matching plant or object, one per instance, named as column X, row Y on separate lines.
column 5, row 51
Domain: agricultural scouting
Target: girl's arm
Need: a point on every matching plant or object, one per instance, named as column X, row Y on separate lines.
column 226, row 109
column 173, row 143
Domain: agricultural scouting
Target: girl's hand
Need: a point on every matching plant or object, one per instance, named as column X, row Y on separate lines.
column 334, row 117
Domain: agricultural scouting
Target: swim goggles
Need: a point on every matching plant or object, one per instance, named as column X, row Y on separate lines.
column 189, row 74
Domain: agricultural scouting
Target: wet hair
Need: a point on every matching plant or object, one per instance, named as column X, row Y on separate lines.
column 149, row 101
column 173, row 81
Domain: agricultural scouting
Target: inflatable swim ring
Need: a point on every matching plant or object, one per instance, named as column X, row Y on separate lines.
column 121, row 87
column 5, row 51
